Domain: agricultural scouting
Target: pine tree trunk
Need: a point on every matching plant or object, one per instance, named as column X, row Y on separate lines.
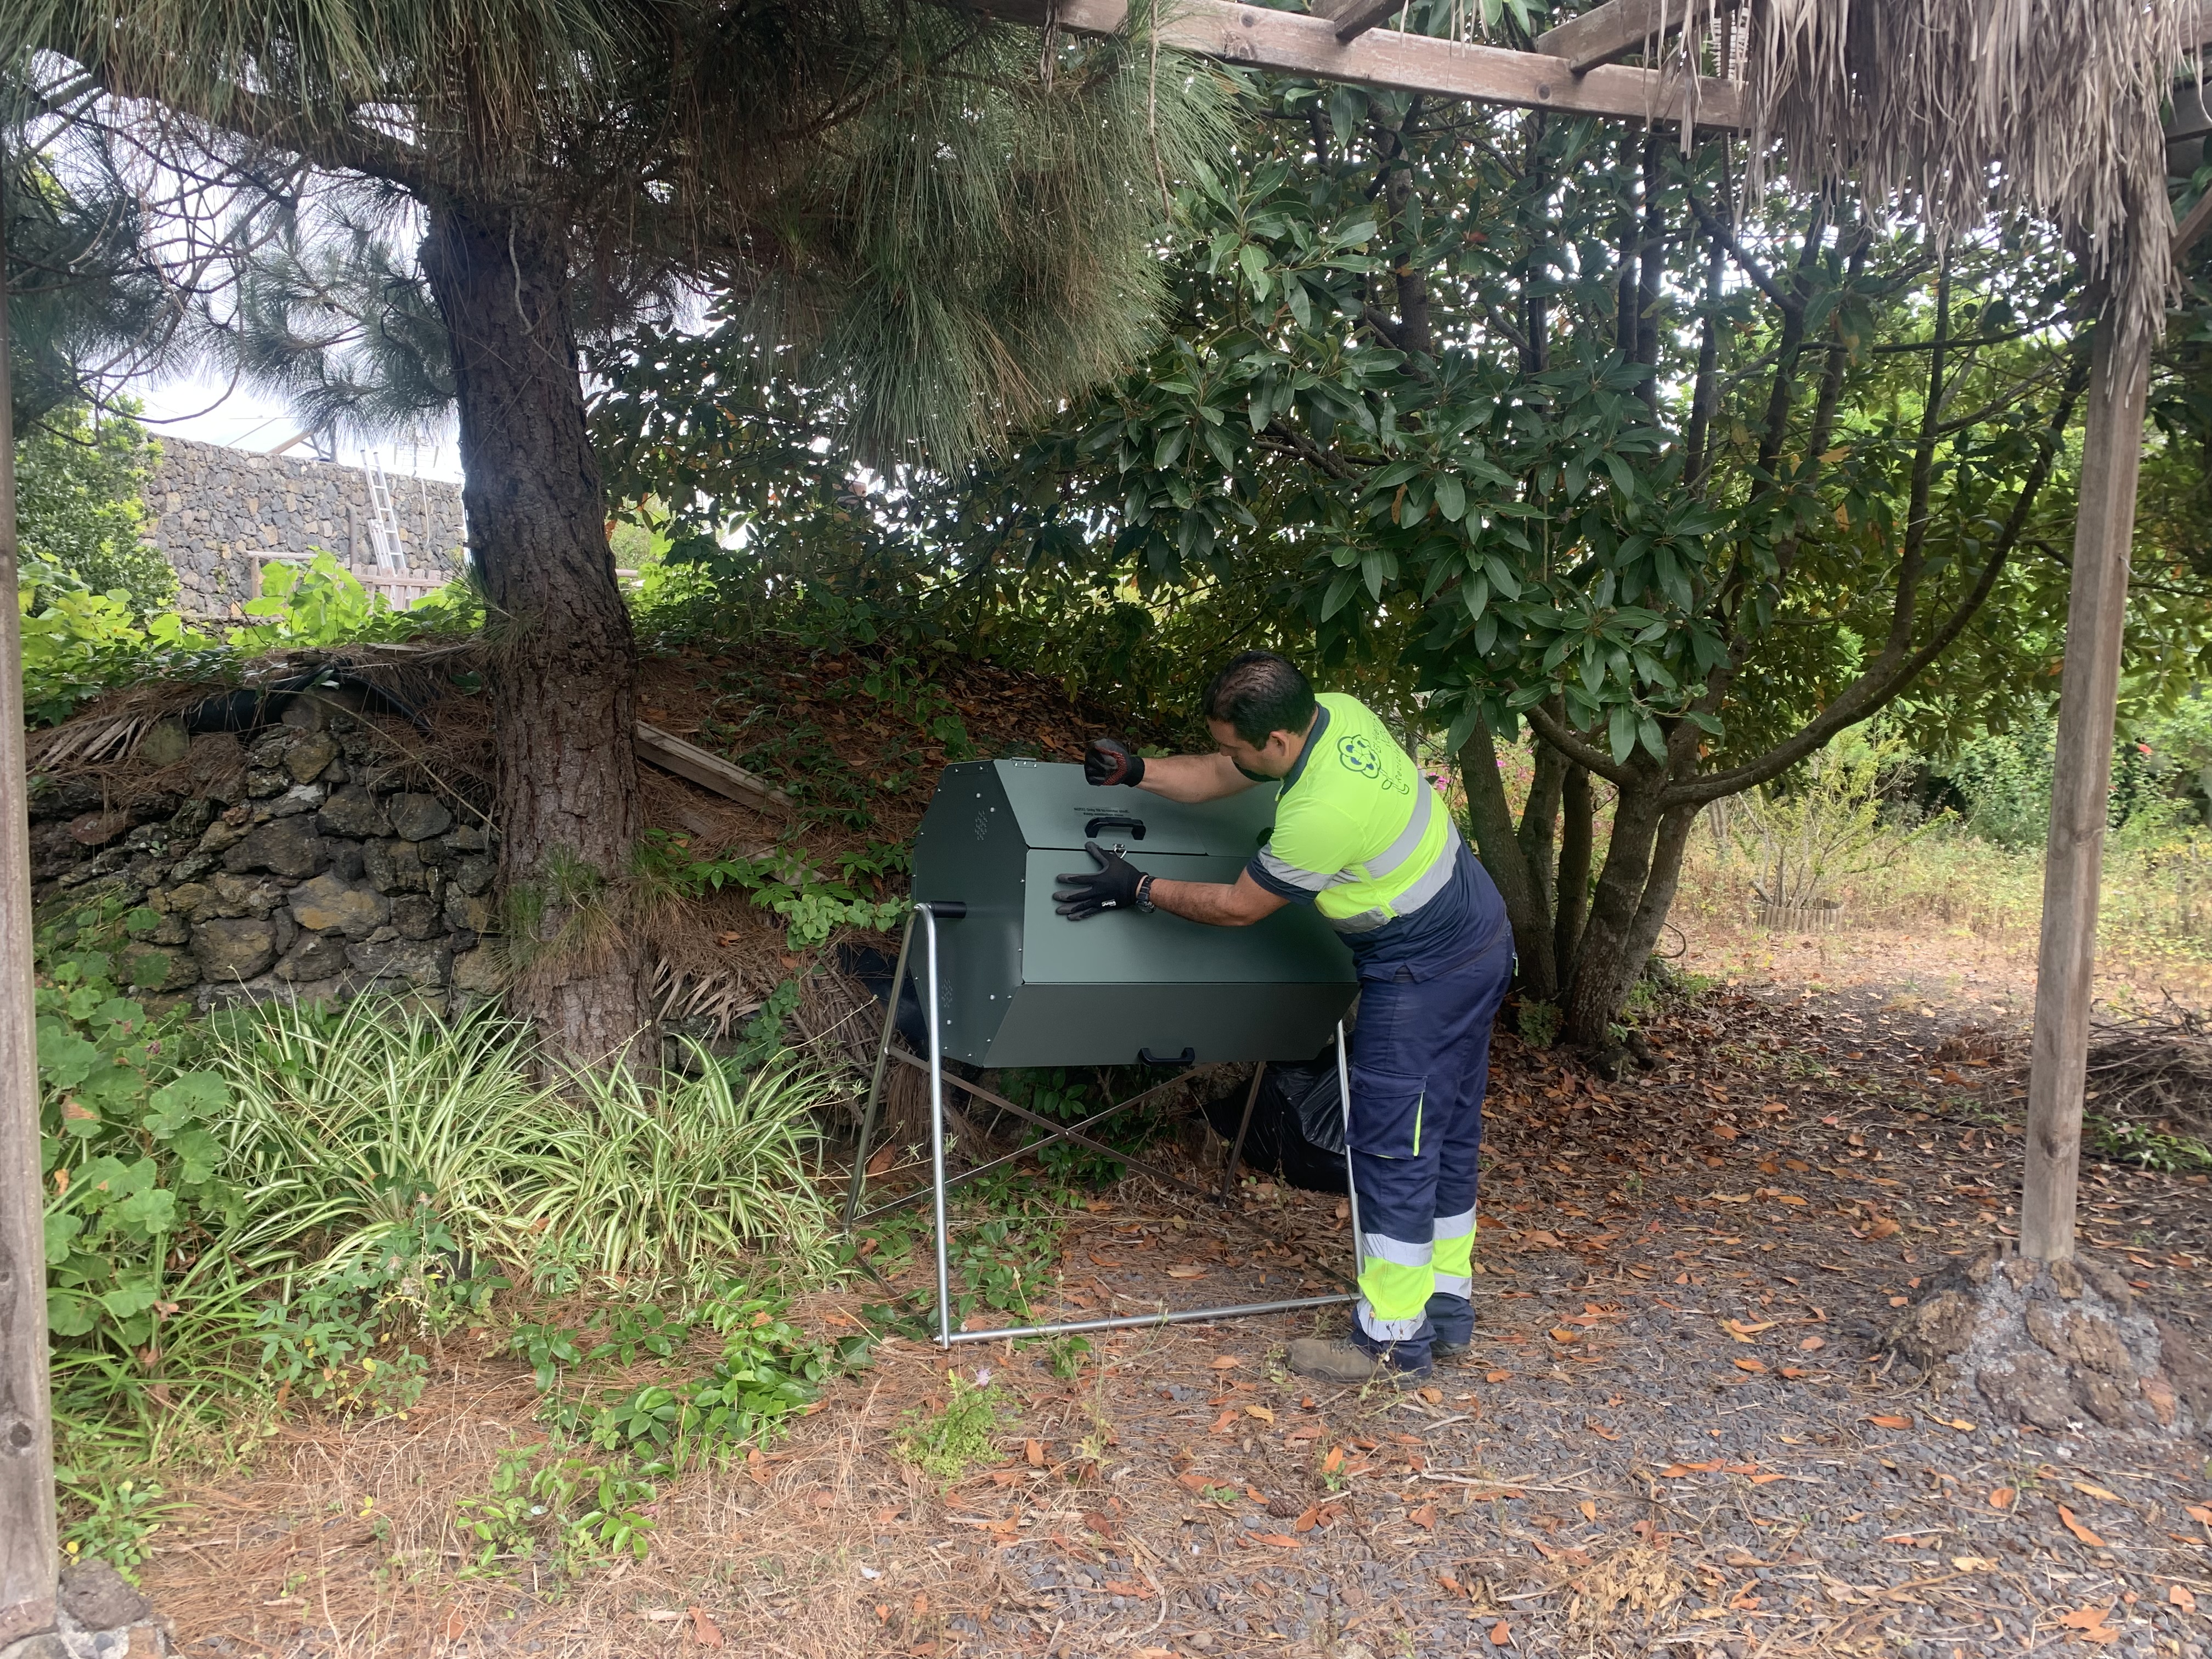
column 564, row 673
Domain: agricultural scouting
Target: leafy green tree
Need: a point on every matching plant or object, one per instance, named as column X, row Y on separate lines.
column 1521, row 426
column 1530, row 416
column 895, row 190
column 78, row 511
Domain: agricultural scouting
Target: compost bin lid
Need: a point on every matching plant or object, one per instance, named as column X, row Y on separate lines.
column 1055, row 807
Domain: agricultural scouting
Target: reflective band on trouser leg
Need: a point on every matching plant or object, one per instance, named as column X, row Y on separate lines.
column 1394, row 1288
column 1454, row 1254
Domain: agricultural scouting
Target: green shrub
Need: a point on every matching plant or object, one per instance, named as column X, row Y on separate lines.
column 78, row 510
column 947, row 1441
column 367, row 1126
column 77, row 643
column 136, row 1187
column 562, row 1515
column 626, row 1185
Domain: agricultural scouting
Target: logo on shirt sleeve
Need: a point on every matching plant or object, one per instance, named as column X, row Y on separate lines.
column 1358, row 755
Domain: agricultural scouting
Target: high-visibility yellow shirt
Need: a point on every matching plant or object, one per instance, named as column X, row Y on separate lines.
column 1363, row 836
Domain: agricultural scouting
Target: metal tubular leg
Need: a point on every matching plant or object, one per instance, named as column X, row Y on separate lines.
column 977, row 1171
column 876, row 1082
column 946, row 1337
column 1351, row 1176
column 1243, row 1123
column 1165, row 1316
column 937, row 1128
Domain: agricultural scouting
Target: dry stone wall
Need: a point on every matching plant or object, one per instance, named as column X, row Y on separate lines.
column 217, row 515
column 294, row 863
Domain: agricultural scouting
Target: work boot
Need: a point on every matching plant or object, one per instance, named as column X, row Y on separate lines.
column 1453, row 1319
column 1342, row 1360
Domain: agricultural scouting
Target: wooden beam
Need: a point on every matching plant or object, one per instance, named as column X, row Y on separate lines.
column 2192, row 225
column 29, row 1561
column 1296, row 44
column 1354, row 18
column 709, row 771
column 2082, row 776
column 1610, row 31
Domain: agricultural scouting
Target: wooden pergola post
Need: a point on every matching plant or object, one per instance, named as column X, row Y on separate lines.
column 2082, row 776
column 29, row 1561
column 2082, row 773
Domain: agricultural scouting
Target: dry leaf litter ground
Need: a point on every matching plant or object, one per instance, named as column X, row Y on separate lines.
column 1674, row 1435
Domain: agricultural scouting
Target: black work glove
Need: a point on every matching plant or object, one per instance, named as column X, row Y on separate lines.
column 1109, row 760
column 1112, row 886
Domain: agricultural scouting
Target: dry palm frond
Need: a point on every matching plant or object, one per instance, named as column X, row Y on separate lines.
column 1962, row 106
column 1642, row 1579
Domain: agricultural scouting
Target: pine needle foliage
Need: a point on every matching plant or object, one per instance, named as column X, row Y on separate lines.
column 905, row 195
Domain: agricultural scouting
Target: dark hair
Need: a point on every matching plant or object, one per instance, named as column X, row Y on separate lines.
column 1258, row 694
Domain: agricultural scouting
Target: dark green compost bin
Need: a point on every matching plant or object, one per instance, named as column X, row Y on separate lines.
column 1024, row 985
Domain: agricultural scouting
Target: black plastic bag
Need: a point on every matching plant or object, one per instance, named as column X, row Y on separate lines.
column 1297, row 1124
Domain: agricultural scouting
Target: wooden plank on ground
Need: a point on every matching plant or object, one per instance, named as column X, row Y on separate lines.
column 1297, row 44
column 709, row 771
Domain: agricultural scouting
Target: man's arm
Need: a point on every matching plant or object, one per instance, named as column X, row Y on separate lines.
column 1194, row 778
column 1218, row 904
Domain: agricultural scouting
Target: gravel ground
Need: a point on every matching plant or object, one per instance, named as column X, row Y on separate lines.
column 1674, row 1435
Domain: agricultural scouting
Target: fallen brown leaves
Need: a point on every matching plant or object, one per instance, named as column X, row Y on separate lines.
column 2066, row 1520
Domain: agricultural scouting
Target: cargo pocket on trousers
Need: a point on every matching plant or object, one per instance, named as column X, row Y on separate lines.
column 1386, row 1113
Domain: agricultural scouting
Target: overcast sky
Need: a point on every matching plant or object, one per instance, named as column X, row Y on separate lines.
column 192, row 406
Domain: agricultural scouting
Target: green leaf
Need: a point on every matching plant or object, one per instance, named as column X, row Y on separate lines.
column 1347, row 108
column 1340, row 590
column 191, row 1097
column 1451, row 497
column 1621, row 730
column 61, row 1229
column 69, row 1314
column 199, row 1155
column 128, row 1301
column 1254, row 259
column 155, row 1210
column 66, row 1059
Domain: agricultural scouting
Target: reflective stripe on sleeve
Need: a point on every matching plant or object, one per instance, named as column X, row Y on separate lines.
column 1307, row 881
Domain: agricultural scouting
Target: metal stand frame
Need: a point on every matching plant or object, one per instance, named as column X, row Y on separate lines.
column 928, row 914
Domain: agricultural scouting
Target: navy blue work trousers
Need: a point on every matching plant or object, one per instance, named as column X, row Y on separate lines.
column 1420, row 1063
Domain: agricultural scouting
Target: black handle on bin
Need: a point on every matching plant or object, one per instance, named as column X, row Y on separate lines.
column 1134, row 826
column 1146, row 1057
column 943, row 909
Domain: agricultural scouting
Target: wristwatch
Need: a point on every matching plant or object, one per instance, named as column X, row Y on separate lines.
column 1144, row 896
